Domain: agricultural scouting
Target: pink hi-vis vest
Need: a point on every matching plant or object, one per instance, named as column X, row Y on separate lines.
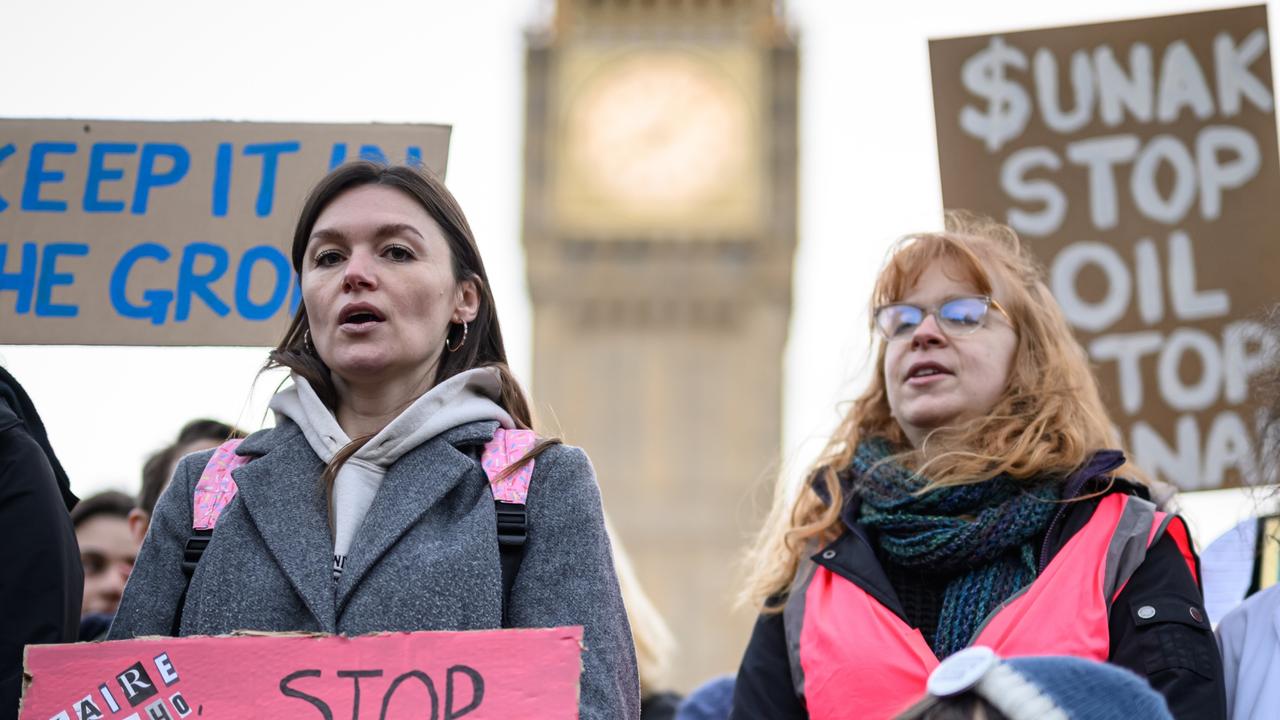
column 852, row 657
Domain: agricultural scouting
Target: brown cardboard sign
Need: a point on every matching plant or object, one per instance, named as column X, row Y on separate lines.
column 167, row 233
column 1138, row 159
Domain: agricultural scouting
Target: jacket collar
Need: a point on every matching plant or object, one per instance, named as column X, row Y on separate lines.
column 852, row 556
column 413, row 485
column 1099, row 463
column 1060, row 526
column 281, row 491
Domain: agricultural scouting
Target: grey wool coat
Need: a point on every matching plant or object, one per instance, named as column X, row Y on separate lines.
column 425, row 558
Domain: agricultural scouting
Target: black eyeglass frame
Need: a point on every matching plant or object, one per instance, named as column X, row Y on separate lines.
column 988, row 302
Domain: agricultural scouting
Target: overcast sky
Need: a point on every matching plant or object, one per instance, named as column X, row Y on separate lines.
column 868, row 165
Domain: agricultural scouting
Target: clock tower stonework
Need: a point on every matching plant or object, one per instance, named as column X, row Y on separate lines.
column 659, row 229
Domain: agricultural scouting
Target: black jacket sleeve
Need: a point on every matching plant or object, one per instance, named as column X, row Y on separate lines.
column 1160, row 631
column 41, row 581
column 763, row 690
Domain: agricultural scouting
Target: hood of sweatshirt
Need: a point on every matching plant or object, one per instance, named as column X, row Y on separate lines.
column 464, row 398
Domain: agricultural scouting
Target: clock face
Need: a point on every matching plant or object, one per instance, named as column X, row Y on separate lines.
column 659, row 130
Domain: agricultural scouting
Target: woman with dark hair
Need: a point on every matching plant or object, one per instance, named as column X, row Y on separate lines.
column 969, row 498
column 366, row 509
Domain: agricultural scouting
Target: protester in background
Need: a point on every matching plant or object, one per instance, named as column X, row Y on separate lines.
column 712, row 700
column 196, row 435
column 975, row 684
column 366, row 508
column 107, row 552
column 1249, row 636
column 40, row 581
column 973, row 472
column 655, row 645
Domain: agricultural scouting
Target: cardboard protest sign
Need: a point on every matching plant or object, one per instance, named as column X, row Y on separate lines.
column 488, row 675
column 166, row 233
column 1138, row 159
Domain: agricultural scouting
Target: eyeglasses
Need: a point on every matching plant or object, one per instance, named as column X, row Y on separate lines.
column 956, row 317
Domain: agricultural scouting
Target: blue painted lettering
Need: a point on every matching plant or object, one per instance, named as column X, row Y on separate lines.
column 270, row 153
column 221, row 180
column 338, row 156
column 155, row 302
column 5, row 152
column 51, row 278
column 22, row 282
column 191, row 283
column 373, row 153
column 244, row 278
column 38, row 176
column 148, row 178
column 100, row 173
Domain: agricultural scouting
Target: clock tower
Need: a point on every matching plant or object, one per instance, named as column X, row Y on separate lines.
column 659, row 229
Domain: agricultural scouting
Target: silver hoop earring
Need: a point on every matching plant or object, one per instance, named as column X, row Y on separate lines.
column 306, row 342
column 463, row 341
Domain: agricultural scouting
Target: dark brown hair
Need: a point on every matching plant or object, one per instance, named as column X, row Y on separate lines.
column 111, row 503
column 159, row 466
column 483, row 346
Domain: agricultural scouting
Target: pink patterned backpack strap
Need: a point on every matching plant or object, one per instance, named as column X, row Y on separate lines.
column 509, row 496
column 214, row 491
column 505, row 449
column 216, row 487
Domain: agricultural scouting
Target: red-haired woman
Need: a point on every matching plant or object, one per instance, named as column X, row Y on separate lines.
column 969, row 498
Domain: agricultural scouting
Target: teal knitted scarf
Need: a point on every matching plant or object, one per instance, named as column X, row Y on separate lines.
column 982, row 535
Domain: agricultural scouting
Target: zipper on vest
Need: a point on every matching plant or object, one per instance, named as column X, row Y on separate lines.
column 1074, row 485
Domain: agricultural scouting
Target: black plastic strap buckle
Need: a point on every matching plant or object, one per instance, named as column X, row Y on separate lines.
column 194, row 549
column 513, row 523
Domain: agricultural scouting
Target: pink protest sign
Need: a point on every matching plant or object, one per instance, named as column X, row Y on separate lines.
column 433, row 675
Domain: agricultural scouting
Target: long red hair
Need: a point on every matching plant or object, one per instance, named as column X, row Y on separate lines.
column 1047, row 422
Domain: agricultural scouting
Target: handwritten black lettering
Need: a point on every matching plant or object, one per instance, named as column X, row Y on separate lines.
column 477, row 691
column 287, row 691
column 395, row 684
column 355, row 676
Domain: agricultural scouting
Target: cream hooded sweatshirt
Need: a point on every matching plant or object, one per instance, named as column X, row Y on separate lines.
column 466, row 397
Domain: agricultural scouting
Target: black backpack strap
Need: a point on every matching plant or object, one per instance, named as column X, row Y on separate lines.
column 191, row 555
column 215, row 470
column 513, row 530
